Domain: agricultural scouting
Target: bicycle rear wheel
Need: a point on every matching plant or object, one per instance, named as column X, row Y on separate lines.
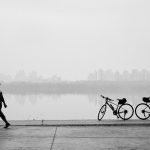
column 125, row 111
column 142, row 111
column 101, row 112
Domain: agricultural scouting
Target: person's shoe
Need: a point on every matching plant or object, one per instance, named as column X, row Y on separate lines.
column 7, row 125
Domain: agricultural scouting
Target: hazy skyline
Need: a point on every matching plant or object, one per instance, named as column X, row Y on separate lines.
column 99, row 75
column 73, row 38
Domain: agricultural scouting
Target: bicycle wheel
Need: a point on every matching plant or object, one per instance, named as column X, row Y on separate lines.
column 125, row 111
column 101, row 112
column 142, row 111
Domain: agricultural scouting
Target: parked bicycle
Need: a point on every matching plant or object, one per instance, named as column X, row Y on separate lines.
column 142, row 110
column 123, row 110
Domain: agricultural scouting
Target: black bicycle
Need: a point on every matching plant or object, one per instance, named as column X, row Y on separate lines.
column 142, row 110
column 123, row 110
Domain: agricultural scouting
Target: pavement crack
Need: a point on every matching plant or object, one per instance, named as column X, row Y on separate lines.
column 53, row 139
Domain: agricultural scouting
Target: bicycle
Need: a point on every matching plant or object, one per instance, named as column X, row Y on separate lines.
column 142, row 110
column 123, row 110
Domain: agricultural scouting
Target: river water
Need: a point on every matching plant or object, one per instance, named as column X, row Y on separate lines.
column 60, row 107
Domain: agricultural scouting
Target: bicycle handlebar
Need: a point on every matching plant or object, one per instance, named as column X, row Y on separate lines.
column 107, row 98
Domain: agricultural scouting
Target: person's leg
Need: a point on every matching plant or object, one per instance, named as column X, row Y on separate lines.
column 4, row 119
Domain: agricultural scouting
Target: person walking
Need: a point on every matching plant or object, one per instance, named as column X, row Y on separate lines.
column 2, row 102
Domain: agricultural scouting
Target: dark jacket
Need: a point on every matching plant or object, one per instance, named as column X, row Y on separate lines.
column 1, row 99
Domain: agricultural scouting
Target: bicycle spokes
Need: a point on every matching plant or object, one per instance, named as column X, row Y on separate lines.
column 124, row 115
column 125, row 111
column 142, row 111
column 102, row 112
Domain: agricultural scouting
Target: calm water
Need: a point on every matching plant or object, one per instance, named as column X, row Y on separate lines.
column 60, row 107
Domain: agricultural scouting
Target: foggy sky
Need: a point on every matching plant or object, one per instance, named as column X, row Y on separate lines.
column 73, row 38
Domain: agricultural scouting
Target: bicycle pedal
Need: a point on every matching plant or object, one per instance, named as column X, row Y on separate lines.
column 115, row 113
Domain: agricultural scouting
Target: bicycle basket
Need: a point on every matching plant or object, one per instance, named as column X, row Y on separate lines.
column 122, row 101
column 146, row 99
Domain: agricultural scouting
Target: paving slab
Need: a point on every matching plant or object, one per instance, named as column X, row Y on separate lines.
column 102, row 138
column 102, row 144
column 103, row 132
column 26, row 138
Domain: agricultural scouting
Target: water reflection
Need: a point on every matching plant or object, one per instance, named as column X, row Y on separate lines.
column 61, row 107
column 32, row 98
column 95, row 98
column 20, row 99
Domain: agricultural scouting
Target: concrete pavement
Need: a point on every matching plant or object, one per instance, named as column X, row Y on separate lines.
column 50, row 137
column 92, row 122
column 75, row 138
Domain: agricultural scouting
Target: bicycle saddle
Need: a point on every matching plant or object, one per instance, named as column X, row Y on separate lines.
column 146, row 99
column 122, row 101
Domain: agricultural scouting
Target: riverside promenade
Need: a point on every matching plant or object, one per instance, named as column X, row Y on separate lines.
column 76, row 135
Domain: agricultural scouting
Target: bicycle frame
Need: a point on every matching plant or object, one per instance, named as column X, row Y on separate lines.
column 109, row 103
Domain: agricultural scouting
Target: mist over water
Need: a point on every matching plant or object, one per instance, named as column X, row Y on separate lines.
column 68, row 100
column 61, row 107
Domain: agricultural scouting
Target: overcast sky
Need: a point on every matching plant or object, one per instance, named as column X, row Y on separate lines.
column 74, row 37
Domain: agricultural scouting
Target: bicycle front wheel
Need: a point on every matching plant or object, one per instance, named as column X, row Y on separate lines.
column 101, row 112
column 125, row 111
column 142, row 111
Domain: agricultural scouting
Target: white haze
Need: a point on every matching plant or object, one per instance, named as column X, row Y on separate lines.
column 72, row 38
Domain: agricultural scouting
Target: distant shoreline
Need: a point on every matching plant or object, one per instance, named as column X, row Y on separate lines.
column 78, row 87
